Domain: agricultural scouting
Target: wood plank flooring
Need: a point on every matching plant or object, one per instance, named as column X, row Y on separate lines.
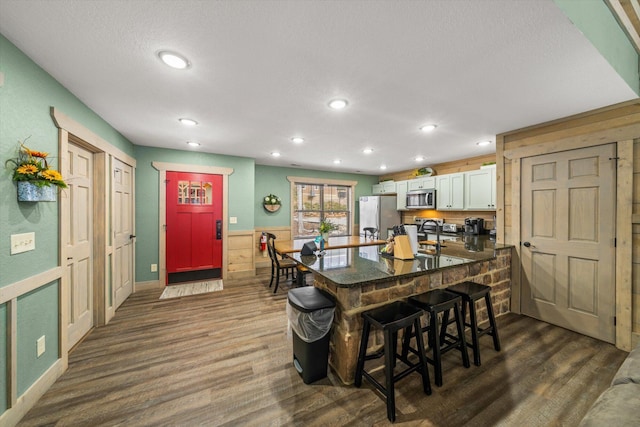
column 225, row 359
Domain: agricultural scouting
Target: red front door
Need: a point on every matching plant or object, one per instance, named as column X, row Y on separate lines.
column 194, row 226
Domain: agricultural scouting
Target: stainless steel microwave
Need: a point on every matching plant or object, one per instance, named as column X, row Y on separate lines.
column 421, row 199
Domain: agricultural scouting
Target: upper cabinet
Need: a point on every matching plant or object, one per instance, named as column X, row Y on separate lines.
column 450, row 192
column 480, row 189
column 387, row 187
column 401, row 191
column 421, row 183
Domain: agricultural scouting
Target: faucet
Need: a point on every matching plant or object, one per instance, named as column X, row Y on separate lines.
column 438, row 245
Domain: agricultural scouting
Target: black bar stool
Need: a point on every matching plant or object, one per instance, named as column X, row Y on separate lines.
column 436, row 302
column 390, row 319
column 470, row 293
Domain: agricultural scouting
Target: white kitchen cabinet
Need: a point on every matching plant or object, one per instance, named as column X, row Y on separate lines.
column 421, row 183
column 401, row 191
column 387, row 187
column 480, row 189
column 450, row 192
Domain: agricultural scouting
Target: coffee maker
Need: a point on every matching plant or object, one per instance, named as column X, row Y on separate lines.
column 474, row 225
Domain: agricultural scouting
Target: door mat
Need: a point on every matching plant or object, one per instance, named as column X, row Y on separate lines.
column 194, row 288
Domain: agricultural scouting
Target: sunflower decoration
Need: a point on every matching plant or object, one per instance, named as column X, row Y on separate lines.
column 31, row 165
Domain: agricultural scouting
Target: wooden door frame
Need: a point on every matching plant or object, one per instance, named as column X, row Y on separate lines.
column 103, row 152
column 558, row 138
column 162, row 168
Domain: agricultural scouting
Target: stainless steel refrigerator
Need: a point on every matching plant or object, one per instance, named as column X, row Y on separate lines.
column 380, row 212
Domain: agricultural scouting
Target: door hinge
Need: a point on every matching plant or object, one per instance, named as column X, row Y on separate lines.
column 166, row 181
column 615, row 319
column 164, row 226
column 615, row 242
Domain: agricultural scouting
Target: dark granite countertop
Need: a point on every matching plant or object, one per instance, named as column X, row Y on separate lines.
column 355, row 266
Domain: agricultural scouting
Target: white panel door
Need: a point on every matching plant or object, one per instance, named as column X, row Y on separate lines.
column 79, row 241
column 122, row 231
column 568, row 230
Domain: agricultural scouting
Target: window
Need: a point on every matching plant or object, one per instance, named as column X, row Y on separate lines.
column 194, row 193
column 315, row 200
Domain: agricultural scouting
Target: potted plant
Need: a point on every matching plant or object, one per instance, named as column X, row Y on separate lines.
column 271, row 202
column 326, row 226
column 37, row 182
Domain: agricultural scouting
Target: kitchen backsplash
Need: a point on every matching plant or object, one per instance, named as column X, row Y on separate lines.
column 449, row 217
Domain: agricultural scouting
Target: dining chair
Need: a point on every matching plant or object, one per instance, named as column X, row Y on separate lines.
column 371, row 230
column 279, row 265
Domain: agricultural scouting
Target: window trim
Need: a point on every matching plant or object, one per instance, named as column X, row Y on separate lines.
column 293, row 180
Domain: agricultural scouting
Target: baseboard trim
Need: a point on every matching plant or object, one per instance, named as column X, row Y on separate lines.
column 241, row 274
column 24, row 403
column 151, row 284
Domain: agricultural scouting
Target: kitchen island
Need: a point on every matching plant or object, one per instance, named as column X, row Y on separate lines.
column 361, row 279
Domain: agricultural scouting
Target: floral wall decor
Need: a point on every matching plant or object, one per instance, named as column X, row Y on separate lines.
column 271, row 202
column 37, row 181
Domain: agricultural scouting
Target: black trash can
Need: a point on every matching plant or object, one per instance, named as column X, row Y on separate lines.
column 310, row 312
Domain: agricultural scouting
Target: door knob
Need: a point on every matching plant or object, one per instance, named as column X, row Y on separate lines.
column 528, row 245
column 132, row 236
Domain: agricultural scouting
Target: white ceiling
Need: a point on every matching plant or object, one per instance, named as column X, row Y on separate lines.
column 263, row 71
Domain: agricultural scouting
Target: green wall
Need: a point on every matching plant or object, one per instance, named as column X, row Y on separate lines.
column 240, row 204
column 273, row 180
column 599, row 25
column 25, row 100
column 37, row 316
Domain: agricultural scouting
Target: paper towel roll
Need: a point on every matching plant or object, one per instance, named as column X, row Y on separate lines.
column 412, row 232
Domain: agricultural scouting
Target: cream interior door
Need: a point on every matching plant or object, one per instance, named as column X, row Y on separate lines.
column 568, row 230
column 79, row 241
column 122, row 231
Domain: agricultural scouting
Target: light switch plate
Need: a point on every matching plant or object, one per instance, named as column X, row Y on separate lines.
column 233, row 220
column 22, row 242
column 40, row 346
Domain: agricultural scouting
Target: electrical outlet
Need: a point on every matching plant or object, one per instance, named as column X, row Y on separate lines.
column 40, row 346
column 154, row 268
column 233, row 220
column 22, row 242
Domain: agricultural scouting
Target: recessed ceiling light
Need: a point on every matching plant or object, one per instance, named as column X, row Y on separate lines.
column 297, row 139
column 383, row 167
column 483, row 143
column 188, row 122
column 173, row 59
column 337, row 161
column 193, row 143
column 419, row 159
column 427, row 128
column 338, row 104
column 275, row 154
column 367, row 150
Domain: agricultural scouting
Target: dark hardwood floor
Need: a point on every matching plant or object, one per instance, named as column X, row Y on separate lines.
column 225, row 359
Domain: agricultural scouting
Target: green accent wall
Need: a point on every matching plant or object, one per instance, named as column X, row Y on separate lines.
column 37, row 316
column 25, row 101
column 3, row 358
column 240, row 204
column 599, row 25
column 273, row 180
column 26, row 97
